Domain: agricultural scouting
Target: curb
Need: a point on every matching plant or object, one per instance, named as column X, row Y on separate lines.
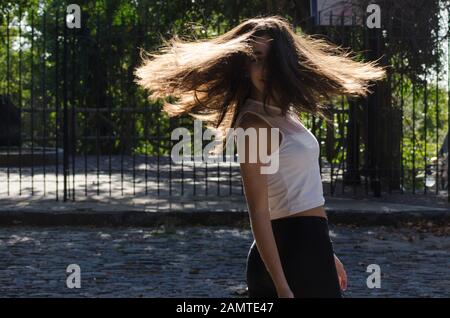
column 223, row 218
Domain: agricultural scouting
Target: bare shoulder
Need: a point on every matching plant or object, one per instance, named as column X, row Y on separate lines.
column 251, row 120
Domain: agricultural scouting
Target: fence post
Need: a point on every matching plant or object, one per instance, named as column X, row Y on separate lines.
column 373, row 101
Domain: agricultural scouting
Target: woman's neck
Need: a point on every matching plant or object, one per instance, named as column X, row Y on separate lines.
column 258, row 96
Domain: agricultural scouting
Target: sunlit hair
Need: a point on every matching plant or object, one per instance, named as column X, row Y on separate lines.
column 208, row 77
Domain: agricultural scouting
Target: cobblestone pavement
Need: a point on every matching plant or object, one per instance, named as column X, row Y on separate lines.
column 205, row 261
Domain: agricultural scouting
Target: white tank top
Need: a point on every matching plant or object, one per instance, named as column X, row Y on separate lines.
column 297, row 184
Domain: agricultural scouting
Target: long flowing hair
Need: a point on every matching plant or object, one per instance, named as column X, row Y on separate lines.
column 208, row 79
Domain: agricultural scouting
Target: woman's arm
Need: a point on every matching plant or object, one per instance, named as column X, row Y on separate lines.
column 255, row 187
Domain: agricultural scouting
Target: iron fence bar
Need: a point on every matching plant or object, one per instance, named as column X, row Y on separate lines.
column 8, row 94
column 97, row 146
column 108, row 101
column 20, row 99
column 57, row 105
column 402, row 176
column 414, row 137
column 74, row 112
column 180, row 122
column 44, row 95
column 133, row 150
column 123, row 123
column 85, row 114
column 437, row 127
column 158, row 134
column 425, row 134
column 32, row 102
column 65, row 118
column 146, row 105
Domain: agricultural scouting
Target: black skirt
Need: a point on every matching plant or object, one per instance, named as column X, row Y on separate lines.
column 307, row 257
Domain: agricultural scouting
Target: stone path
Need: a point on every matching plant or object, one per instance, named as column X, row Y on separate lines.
column 205, row 261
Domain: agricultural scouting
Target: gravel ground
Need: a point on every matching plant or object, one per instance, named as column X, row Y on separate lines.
column 207, row 261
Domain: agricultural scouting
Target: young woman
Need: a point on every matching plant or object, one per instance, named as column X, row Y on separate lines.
column 261, row 75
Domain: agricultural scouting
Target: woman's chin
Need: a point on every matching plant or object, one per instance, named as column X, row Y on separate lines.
column 260, row 89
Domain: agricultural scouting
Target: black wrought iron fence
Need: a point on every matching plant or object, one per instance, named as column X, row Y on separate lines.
column 73, row 123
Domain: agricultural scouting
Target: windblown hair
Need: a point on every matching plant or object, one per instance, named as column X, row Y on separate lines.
column 208, row 76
